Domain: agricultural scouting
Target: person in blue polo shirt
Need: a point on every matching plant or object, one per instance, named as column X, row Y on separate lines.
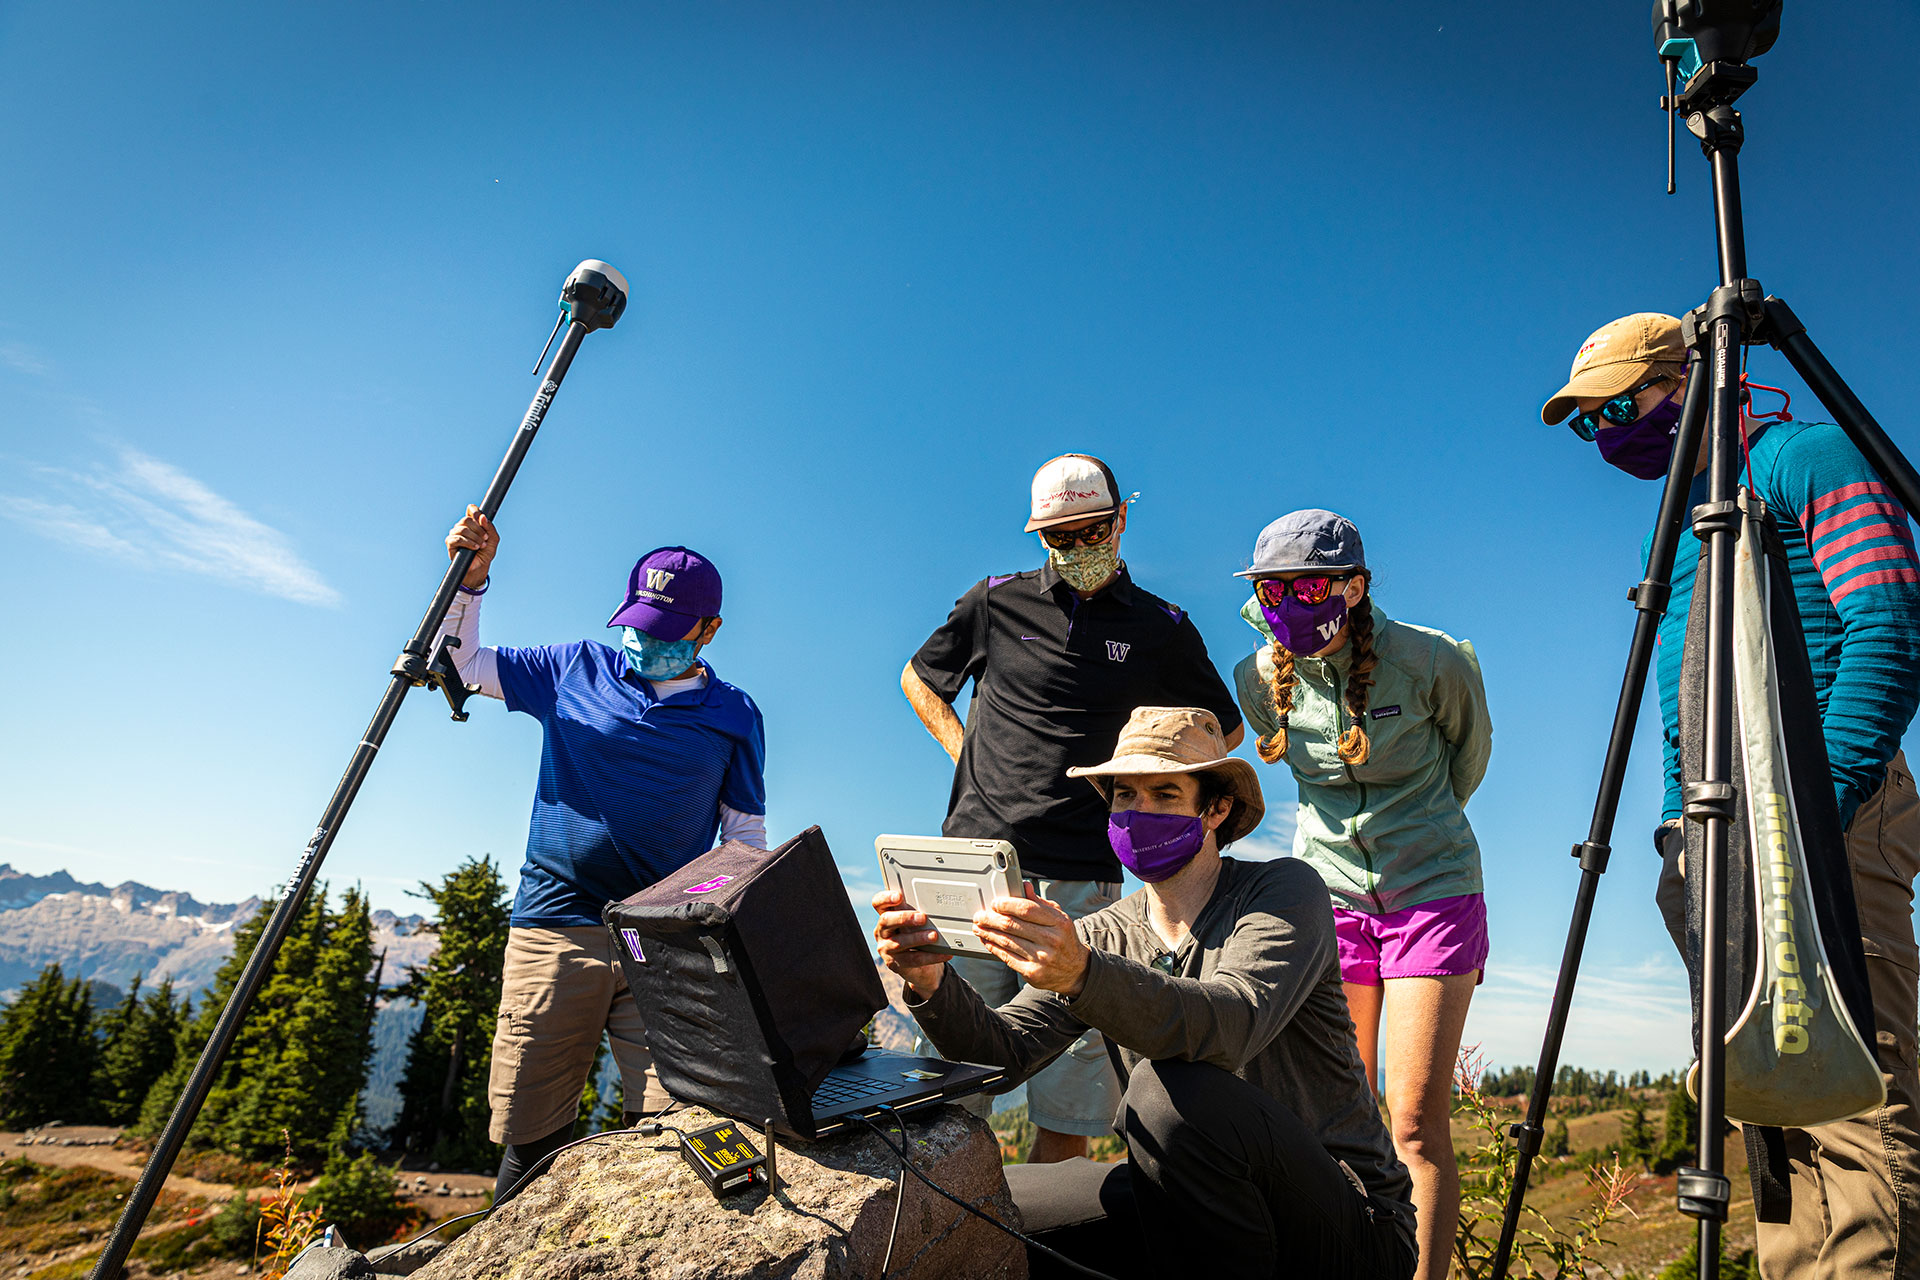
column 649, row 759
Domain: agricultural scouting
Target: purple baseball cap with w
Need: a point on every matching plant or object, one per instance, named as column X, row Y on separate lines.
column 669, row 590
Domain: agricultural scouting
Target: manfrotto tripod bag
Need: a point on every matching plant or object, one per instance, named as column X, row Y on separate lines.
column 1800, row 1029
column 752, row 975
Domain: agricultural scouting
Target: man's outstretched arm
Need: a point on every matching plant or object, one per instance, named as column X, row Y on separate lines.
column 942, row 721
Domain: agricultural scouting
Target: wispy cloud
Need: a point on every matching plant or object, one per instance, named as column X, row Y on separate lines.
column 1625, row 1018
column 21, row 358
column 1272, row 839
column 147, row 513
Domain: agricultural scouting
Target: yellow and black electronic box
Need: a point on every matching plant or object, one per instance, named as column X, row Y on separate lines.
column 723, row 1158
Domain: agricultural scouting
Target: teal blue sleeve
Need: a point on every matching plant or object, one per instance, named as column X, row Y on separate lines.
column 1856, row 536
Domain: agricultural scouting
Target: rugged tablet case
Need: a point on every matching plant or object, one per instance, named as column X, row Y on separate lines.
column 752, row 974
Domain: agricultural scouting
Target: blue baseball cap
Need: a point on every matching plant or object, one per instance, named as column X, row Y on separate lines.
column 1310, row 541
column 669, row 590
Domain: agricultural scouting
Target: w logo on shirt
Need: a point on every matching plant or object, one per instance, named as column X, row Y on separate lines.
column 1117, row 651
column 657, row 579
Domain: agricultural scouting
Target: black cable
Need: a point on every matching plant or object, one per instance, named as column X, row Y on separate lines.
column 899, row 1196
column 1024, row 1239
column 646, row 1129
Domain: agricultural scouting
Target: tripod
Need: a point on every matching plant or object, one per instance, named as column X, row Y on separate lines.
column 592, row 298
column 1736, row 314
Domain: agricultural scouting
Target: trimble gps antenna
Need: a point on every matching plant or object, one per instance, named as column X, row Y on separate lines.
column 593, row 297
column 1705, row 47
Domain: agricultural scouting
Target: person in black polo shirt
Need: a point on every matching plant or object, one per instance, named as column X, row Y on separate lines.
column 1059, row 656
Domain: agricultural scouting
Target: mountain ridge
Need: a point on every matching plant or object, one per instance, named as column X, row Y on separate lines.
column 112, row 933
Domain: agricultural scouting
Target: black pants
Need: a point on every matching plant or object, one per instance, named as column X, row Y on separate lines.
column 1219, row 1176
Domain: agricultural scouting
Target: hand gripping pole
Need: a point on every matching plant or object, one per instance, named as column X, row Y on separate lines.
column 592, row 298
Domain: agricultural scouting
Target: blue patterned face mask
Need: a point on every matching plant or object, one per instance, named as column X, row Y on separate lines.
column 652, row 659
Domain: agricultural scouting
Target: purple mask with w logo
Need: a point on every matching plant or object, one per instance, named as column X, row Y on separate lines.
column 1306, row 628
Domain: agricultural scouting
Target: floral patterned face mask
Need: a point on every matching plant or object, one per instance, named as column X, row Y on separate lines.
column 1084, row 568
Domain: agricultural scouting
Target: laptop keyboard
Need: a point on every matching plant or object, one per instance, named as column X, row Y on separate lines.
column 838, row 1089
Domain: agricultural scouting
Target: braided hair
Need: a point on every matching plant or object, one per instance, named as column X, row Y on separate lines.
column 1353, row 745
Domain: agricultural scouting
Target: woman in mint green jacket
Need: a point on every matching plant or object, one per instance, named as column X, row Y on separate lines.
column 1385, row 728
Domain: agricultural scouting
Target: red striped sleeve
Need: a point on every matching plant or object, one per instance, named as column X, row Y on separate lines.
column 1845, row 491
column 1878, row 507
column 1877, row 577
column 1858, row 558
column 1879, row 529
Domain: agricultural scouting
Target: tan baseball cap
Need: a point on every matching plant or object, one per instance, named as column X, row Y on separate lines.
column 1181, row 740
column 1073, row 486
column 1616, row 358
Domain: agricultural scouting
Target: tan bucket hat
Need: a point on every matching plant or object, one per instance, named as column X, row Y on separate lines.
column 1616, row 359
column 1181, row 740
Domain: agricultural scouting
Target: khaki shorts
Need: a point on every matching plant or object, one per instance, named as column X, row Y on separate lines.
column 561, row 988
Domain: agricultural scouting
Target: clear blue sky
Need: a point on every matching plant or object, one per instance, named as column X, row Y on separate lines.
column 275, row 277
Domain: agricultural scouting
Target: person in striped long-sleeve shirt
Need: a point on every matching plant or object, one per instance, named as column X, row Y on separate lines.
column 1856, row 582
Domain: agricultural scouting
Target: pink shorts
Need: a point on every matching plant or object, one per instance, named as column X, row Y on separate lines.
column 1432, row 940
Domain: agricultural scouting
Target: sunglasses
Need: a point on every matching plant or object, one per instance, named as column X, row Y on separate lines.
column 1091, row 536
column 1620, row 411
column 1272, row 591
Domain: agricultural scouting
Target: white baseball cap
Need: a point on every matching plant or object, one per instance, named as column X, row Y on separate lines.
column 1074, row 486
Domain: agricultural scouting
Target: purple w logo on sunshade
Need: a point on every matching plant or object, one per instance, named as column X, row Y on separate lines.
column 708, row 886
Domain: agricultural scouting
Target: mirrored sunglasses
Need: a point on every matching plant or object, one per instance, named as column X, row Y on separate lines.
column 1620, row 411
column 1093, row 535
column 1314, row 590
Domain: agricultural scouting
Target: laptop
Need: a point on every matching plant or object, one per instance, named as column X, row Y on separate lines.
column 753, row 977
column 883, row 1078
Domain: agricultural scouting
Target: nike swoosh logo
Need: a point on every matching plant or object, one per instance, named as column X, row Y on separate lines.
column 1029, row 637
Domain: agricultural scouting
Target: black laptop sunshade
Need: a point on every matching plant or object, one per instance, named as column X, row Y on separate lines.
column 752, row 974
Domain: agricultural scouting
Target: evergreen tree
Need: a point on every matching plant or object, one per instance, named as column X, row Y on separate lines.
column 1742, row 1265
column 46, row 1052
column 300, row 1059
column 1636, row 1137
column 138, row 1042
column 1680, row 1136
column 615, row 1113
column 444, row 1109
column 1559, row 1139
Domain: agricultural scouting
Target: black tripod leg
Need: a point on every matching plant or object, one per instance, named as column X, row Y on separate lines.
column 167, row 1147
column 1789, row 337
column 1704, row 1191
column 1650, row 598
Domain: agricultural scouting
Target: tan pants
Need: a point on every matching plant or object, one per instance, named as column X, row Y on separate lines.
column 560, row 990
column 1856, row 1184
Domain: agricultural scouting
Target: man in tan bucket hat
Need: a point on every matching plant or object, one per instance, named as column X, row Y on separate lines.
column 1252, row 1136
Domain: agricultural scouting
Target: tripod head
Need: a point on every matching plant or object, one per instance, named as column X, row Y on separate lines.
column 1706, row 45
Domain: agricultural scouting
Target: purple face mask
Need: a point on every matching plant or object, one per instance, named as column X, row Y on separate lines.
column 1306, row 628
column 1642, row 448
column 1154, row 846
